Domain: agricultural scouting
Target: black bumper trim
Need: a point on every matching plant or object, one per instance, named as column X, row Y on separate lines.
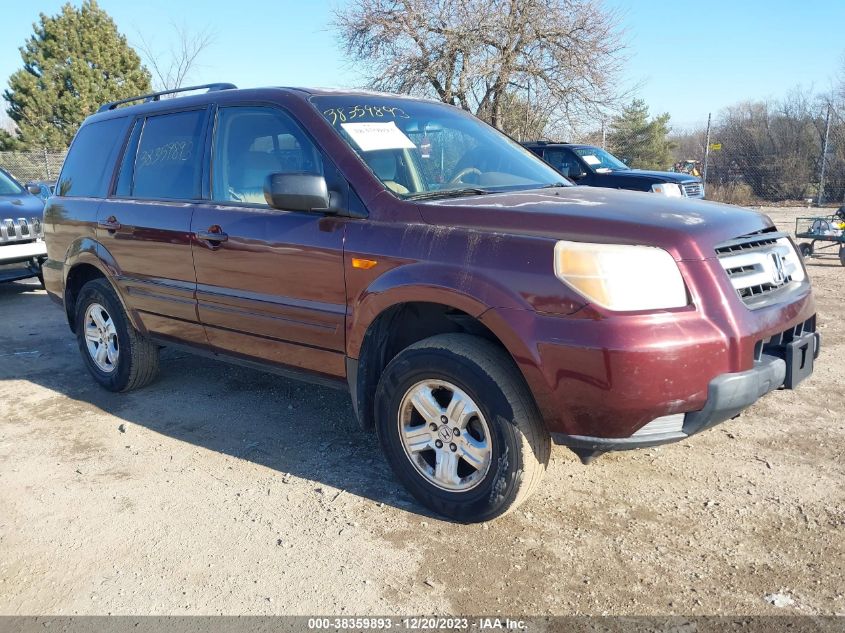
column 727, row 396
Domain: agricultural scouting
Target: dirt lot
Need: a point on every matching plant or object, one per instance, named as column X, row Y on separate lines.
column 222, row 490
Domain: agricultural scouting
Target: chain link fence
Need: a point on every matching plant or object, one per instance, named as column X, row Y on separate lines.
column 769, row 157
column 832, row 184
column 43, row 164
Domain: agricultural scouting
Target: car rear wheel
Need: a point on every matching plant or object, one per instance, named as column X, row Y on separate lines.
column 459, row 427
column 117, row 356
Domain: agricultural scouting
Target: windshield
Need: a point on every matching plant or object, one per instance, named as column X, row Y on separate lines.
column 8, row 186
column 600, row 160
column 424, row 149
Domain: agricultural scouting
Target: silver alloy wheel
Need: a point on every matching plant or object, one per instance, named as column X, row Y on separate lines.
column 445, row 435
column 101, row 338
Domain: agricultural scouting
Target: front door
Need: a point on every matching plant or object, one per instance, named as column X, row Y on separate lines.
column 145, row 225
column 270, row 283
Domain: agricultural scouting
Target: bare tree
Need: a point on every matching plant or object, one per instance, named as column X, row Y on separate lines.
column 520, row 119
column 172, row 67
column 476, row 54
column 838, row 92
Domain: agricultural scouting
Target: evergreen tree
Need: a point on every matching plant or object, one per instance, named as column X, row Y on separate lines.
column 73, row 63
column 641, row 142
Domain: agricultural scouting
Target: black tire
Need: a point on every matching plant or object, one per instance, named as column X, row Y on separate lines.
column 137, row 360
column 806, row 249
column 520, row 445
column 35, row 266
column 842, row 255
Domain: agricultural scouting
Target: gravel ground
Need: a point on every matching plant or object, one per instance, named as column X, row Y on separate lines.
column 222, row 490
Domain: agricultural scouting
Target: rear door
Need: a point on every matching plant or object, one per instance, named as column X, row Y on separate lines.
column 270, row 282
column 145, row 225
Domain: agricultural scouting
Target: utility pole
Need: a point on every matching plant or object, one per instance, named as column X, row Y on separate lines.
column 706, row 152
column 824, row 157
column 603, row 135
column 527, row 110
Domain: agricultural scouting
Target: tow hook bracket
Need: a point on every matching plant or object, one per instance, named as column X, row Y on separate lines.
column 586, row 455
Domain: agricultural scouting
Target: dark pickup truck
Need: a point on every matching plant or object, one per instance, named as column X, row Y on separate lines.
column 595, row 167
column 476, row 305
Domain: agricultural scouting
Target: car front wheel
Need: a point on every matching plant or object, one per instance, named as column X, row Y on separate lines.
column 460, row 428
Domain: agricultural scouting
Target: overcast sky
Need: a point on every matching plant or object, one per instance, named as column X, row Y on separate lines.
column 689, row 58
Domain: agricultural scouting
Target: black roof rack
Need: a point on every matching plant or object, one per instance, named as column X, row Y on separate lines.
column 547, row 142
column 156, row 96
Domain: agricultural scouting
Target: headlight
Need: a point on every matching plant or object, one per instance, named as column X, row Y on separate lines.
column 668, row 189
column 622, row 278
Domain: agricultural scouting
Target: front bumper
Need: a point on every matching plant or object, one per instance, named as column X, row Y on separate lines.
column 20, row 261
column 780, row 365
column 15, row 253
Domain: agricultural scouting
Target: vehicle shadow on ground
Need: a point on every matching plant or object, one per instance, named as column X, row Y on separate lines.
column 305, row 430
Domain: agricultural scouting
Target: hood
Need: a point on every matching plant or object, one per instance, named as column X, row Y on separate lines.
column 23, row 205
column 687, row 228
column 653, row 176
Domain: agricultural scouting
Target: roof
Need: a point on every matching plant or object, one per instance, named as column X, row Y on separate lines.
column 152, row 102
column 557, row 144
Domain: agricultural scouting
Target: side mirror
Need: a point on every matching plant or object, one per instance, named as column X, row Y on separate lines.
column 34, row 189
column 297, row 192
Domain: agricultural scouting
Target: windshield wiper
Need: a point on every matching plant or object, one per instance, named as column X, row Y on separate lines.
column 448, row 193
column 554, row 185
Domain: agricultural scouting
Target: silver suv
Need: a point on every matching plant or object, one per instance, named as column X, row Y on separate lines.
column 22, row 248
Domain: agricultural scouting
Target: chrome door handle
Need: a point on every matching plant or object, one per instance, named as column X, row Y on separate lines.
column 110, row 224
column 212, row 236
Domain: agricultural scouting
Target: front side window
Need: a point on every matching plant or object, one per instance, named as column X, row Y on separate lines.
column 169, row 157
column 563, row 160
column 420, row 149
column 8, row 186
column 88, row 167
column 250, row 143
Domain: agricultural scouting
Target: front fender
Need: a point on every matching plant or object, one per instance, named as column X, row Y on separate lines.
column 462, row 288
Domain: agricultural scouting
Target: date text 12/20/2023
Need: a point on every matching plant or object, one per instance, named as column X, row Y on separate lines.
column 418, row 623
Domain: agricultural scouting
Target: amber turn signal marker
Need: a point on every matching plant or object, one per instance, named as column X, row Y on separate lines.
column 364, row 264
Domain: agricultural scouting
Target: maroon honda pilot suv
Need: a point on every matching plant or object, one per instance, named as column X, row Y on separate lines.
column 477, row 306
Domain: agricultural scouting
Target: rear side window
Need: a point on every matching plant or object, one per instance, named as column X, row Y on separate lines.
column 88, row 167
column 168, row 158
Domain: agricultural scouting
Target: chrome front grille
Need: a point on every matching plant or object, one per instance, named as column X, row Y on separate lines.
column 20, row 230
column 761, row 266
column 693, row 189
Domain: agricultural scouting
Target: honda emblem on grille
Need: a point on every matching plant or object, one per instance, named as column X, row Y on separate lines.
column 778, row 274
